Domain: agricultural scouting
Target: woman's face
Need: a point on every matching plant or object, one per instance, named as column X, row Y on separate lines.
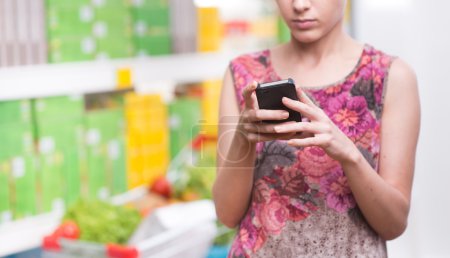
column 310, row 20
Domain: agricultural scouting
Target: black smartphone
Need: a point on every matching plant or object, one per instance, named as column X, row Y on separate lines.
column 269, row 96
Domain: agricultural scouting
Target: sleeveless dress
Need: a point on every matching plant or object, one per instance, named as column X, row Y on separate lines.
column 301, row 204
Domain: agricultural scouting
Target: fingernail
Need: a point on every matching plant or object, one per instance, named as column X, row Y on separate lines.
column 285, row 115
column 277, row 129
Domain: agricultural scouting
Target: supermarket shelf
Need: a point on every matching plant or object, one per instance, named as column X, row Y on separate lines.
column 27, row 233
column 150, row 74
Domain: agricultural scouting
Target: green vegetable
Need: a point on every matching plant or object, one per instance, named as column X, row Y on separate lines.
column 102, row 222
column 197, row 178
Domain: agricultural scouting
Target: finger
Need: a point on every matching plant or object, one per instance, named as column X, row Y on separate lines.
column 313, row 128
column 304, row 109
column 263, row 127
column 255, row 101
column 305, row 142
column 255, row 137
column 304, row 98
column 247, row 94
column 254, row 115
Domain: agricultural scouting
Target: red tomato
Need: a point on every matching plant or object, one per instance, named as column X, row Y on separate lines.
column 68, row 229
column 162, row 187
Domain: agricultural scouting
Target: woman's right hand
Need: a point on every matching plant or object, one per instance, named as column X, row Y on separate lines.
column 250, row 120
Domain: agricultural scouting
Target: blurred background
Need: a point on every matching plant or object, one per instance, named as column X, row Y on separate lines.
column 106, row 106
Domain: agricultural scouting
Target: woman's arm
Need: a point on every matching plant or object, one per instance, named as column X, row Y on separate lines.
column 234, row 181
column 384, row 197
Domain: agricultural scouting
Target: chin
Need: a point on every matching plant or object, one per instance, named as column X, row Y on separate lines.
column 306, row 36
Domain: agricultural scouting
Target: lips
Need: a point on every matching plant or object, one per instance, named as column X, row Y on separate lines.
column 304, row 24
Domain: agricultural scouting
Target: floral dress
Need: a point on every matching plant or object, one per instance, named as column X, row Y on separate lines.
column 301, row 203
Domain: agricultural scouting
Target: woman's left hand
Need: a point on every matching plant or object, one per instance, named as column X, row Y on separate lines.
column 319, row 131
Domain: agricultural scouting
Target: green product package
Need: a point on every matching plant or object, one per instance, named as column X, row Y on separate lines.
column 17, row 170
column 59, row 133
column 15, row 111
column 152, row 17
column 185, row 115
column 64, row 106
column 151, row 4
column 113, row 30
column 111, row 47
column 72, row 49
column 60, row 149
column 64, row 21
column 154, row 45
column 16, row 139
column 69, row 31
column 151, row 24
column 111, row 4
column 67, row 3
column 106, row 152
column 23, row 193
column 5, row 203
column 50, row 181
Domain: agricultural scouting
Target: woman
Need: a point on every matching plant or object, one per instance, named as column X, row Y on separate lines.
column 344, row 187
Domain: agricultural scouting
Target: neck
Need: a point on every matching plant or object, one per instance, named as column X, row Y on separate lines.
column 312, row 53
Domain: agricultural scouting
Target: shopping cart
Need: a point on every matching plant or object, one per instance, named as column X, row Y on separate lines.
column 192, row 239
column 190, row 242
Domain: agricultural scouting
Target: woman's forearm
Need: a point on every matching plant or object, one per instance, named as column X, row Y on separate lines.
column 233, row 186
column 384, row 207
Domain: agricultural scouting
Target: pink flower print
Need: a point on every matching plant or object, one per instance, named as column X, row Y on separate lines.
column 365, row 59
column 297, row 210
column 338, row 194
column 333, row 91
column 241, row 79
column 248, row 233
column 384, row 60
column 366, row 71
column 259, row 147
column 366, row 140
column 351, row 115
column 314, row 163
column 323, row 96
column 236, row 250
column 252, row 63
column 274, row 213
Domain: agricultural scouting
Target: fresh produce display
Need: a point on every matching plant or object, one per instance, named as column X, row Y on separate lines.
column 162, row 187
column 68, row 229
column 193, row 177
column 199, row 184
column 102, row 222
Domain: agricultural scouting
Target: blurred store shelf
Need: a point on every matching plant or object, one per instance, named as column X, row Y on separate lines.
column 148, row 73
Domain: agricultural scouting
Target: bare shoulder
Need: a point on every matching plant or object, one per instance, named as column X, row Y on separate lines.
column 401, row 76
column 402, row 94
column 401, row 88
